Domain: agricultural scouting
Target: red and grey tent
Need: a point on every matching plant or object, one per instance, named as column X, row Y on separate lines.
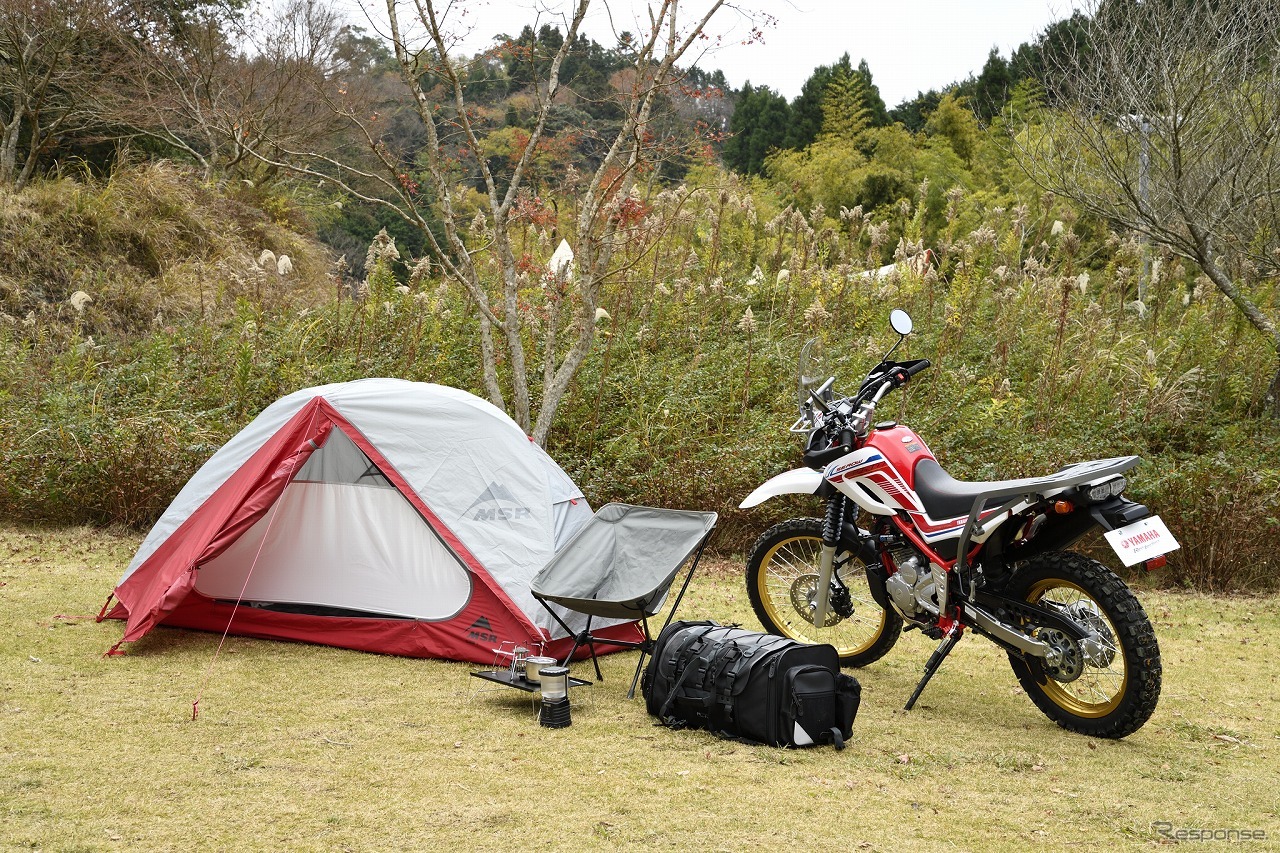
column 380, row 515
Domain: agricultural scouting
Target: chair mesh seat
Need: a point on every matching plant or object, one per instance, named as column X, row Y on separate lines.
column 622, row 562
column 621, row 565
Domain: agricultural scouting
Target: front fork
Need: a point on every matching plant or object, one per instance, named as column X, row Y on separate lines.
column 832, row 525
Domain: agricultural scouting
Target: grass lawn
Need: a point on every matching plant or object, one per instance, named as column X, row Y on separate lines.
column 305, row 747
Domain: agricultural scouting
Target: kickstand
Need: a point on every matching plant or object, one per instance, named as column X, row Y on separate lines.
column 935, row 660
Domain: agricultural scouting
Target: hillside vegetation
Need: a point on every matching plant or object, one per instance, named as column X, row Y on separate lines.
column 111, row 402
column 190, row 228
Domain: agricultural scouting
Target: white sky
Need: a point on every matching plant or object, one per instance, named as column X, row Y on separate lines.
column 910, row 45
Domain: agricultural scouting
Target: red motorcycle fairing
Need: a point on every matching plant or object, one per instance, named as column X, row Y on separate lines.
column 883, row 470
column 902, row 448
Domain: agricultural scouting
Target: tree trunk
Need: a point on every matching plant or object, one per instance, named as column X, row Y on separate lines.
column 1260, row 321
column 9, row 147
column 1208, row 262
column 489, row 363
column 1272, row 400
column 555, row 387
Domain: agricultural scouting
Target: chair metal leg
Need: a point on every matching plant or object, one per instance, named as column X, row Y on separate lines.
column 635, row 679
column 583, row 638
column 591, row 644
column 646, row 648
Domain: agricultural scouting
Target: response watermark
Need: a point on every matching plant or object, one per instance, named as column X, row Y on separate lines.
column 1165, row 829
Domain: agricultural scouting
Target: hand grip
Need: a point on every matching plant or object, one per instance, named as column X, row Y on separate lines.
column 918, row 366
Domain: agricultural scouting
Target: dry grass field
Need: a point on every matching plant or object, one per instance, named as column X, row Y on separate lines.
column 304, row 747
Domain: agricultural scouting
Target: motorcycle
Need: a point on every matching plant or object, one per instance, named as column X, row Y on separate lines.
column 943, row 556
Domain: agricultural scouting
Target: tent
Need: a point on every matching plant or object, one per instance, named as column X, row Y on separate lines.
column 380, row 515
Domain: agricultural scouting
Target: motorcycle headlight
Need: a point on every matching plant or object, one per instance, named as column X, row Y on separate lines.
column 1099, row 492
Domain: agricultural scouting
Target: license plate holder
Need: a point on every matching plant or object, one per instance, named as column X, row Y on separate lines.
column 1143, row 540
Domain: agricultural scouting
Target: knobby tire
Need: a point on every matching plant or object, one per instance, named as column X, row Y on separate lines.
column 1102, row 713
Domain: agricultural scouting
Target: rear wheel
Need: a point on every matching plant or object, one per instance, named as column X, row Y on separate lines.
column 782, row 580
column 1106, row 687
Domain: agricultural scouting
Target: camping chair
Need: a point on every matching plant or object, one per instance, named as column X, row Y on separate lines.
column 621, row 565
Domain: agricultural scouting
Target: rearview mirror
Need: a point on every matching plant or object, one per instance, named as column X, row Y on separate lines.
column 901, row 321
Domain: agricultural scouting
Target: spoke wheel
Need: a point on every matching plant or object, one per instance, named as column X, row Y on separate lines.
column 1107, row 686
column 782, row 575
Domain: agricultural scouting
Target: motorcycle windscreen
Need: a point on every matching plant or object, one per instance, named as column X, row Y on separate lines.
column 347, row 546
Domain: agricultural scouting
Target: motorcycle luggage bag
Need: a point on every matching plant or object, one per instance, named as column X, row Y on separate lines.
column 744, row 684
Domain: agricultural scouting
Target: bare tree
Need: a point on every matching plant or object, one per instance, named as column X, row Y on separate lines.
column 52, row 61
column 1167, row 123
column 480, row 256
column 103, row 70
column 195, row 88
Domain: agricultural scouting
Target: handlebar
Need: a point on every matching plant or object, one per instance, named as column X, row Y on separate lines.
column 855, row 412
column 919, row 365
column 819, row 459
column 894, row 377
column 906, row 370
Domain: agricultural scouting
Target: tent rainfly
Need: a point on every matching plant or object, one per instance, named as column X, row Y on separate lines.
column 382, row 515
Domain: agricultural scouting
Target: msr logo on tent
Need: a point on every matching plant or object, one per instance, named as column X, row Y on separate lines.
column 482, row 631
column 493, row 494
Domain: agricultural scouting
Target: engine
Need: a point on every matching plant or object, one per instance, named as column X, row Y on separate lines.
column 911, row 588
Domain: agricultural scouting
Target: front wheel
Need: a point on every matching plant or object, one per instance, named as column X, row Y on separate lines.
column 1107, row 686
column 782, row 579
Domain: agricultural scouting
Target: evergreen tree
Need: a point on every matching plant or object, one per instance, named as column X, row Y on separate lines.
column 954, row 121
column 993, row 87
column 806, row 109
column 530, row 54
column 913, row 114
column 1053, row 48
column 363, row 54
column 759, row 124
column 807, row 114
column 877, row 113
column 844, row 111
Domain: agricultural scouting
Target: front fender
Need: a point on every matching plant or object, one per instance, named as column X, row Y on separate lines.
column 801, row 481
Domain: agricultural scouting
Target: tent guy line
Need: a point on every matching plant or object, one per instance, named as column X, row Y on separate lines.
column 222, row 641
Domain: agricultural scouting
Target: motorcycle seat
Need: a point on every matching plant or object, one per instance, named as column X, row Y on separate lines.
column 944, row 497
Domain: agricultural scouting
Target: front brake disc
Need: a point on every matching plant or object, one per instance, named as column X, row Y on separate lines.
column 804, row 598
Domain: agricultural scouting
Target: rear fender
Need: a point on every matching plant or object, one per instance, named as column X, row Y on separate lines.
column 1062, row 532
column 801, row 481
column 1117, row 512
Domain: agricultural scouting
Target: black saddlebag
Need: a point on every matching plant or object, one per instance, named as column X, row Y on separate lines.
column 744, row 684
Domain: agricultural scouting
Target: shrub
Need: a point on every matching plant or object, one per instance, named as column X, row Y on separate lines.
column 106, row 409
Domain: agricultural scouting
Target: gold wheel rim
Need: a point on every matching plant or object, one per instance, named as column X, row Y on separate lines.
column 1099, row 690
column 788, row 562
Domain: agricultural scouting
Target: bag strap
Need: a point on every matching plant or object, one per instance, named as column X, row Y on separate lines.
column 721, row 687
column 690, row 653
column 690, row 649
column 764, row 647
column 663, row 716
